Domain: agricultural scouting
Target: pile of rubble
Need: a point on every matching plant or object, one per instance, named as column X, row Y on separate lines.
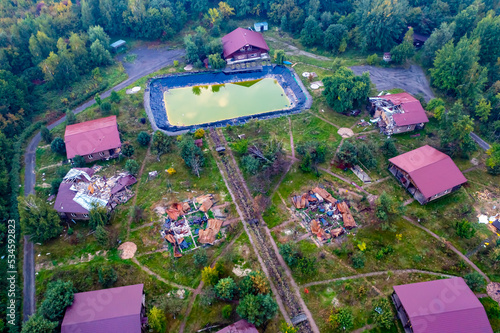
column 187, row 224
column 321, row 214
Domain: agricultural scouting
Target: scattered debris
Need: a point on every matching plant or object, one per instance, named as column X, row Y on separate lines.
column 239, row 271
column 152, row 175
column 361, row 174
column 208, row 235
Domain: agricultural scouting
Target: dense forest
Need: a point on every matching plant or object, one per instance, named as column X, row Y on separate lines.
column 47, row 45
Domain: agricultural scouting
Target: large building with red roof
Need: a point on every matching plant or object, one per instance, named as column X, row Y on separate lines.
column 93, row 140
column 426, row 173
column 398, row 113
column 241, row 45
column 440, row 306
column 113, row 310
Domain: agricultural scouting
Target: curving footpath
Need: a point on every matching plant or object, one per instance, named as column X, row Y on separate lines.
column 30, row 162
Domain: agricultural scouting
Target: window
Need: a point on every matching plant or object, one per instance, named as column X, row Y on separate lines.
column 253, row 55
column 90, row 157
column 101, row 154
column 73, row 215
column 85, row 215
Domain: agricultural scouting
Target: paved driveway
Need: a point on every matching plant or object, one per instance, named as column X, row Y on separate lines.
column 412, row 80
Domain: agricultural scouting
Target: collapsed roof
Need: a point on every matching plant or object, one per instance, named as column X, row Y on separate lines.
column 80, row 189
column 208, row 235
column 397, row 110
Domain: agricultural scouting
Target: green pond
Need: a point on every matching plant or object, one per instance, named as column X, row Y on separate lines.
column 206, row 104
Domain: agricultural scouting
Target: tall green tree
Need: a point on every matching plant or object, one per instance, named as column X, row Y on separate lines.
column 57, row 298
column 216, row 61
column 334, row 36
column 382, row 22
column 493, row 160
column 311, row 34
column 98, row 216
column 344, row 90
column 162, row 144
column 257, row 309
column 402, row 52
column 157, row 320
column 436, row 41
column 457, row 71
column 456, row 127
column 38, row 219
column 192, row 155
column 488, row 33
column 226, row 289
column 99, row 55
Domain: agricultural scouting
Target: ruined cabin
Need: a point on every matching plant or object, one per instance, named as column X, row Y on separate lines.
column 426, row 173
column 110, row 310
column 397, row 113
column 242, row 45
column 93, row 140
column 440, row 306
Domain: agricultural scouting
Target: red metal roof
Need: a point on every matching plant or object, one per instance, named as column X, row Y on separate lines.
column 241, row 326
column 92, row 137
column 443, row 306
column 105, row 311
column 239, row 38
column 64, row 201
column 414, row 113
column 431, row 170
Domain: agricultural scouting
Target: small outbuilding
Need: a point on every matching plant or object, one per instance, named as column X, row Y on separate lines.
column 426, row 173
column 261, row 26
column 241, row 326
column 440, row 306
column 118, row 45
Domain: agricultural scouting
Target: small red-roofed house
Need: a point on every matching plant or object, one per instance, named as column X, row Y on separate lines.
column 241, row 45
column 93, row 140
column 426, row 173
column 440, row 306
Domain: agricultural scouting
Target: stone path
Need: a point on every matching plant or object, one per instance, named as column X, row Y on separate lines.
column 450, row 246
column 358, row 276
column 158, row 277
column 139, row 176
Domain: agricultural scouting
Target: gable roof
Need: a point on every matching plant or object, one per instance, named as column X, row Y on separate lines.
column 431, row 170
column 239, row 38
column 105, row 311
column 414, row 113
column 241, row 326
column 443, row 306
column 92, row 137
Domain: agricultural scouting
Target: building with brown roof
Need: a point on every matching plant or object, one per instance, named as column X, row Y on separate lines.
column 93, row 140
column 440, row 306
column 113, row 310
column 426, row 173
column 398, row 113
column 241, row 45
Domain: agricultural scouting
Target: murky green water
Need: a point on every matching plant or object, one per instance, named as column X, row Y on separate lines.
column 205, row 104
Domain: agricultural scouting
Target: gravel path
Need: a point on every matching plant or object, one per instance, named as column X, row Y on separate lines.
column 412, row 80
column 357, row 276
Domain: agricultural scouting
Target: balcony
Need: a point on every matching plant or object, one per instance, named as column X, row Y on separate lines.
column 247, row 57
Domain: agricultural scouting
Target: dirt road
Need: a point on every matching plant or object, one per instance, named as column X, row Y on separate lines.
column 412, row 80
column 147, row 62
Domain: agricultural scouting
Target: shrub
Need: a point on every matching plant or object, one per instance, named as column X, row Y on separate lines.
column 97, row 99
column 171, row 171
column 58, row 297
column 342, row 318
column 358, row 260
column 254, row 283
column 210, row 275
column 372, row 59
column 107, row 276
column 227, row 310
column 55, row 186
column 475, row 281
column 105, row 108
column 382, row 313
column 70, row 231
column 157, row 320
column 98, row 216
column 114, row 97
column 70, row 117
column 465, row 229
column 46, row 135
column 200, row 258
column 226, row 289
column 132, row 166
column 127, row 149
column 38, row 324
column 58, row 146
column 176, row 63
column 143, row 138
column 101, row 236
column 199, row 133
column 78, row 161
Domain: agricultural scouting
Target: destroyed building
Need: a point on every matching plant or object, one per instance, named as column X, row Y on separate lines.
column 426, row 173
column 323, row 215
column 397, row 113
column 81, row 189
